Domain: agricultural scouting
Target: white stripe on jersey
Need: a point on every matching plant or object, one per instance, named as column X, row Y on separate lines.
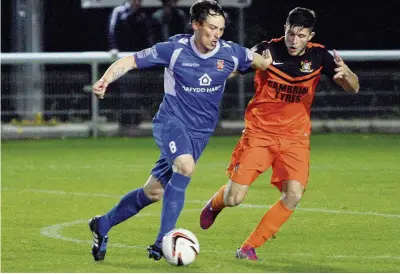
column 169, row 79
column 236, row 61
column 169, row 82
column 173, row 58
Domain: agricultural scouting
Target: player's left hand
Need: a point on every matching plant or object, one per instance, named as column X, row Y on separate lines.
column 342, row 70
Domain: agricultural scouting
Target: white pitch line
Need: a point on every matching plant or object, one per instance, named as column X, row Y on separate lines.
column 320, row 210
column 54, row 231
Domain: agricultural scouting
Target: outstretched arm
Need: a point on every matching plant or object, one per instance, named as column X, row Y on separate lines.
column 259, row 62
column 114, row 71
column 344, row 77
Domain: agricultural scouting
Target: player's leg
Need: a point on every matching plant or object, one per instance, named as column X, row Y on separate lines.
column 290, row 175
column 215, row 205
column 173, row 202
column 249, row 159
column 273, row 219
column 163, row 171
column 130, row 204
column 229, row 195
column 183, row 152
column 292, row 193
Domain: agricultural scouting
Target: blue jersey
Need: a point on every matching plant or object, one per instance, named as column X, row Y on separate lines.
column 194, row 82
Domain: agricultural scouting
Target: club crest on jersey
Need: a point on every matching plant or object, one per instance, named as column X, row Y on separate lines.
column 306, row 66
column 220, row 64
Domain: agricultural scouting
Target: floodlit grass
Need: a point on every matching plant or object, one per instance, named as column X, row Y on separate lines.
column 348, row 220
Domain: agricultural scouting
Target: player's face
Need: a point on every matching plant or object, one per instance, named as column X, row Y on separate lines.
column 296, row 39
column 208, row 32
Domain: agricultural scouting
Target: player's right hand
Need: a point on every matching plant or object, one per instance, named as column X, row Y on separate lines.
column 99, row 88
column 266, row 54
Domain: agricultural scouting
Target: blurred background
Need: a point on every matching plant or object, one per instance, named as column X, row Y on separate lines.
column 53, row 51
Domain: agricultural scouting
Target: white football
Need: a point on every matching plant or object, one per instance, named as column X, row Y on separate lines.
column 180, row 247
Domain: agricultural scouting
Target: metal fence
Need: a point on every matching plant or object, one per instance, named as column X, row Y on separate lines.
column 47, row 89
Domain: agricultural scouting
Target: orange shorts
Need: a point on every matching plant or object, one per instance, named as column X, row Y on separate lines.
column 252, row 156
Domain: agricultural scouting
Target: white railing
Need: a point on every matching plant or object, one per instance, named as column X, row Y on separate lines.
column 106, row 57
column 94, row 59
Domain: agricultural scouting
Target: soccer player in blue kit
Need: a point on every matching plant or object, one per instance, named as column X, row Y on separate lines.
column 196, row 69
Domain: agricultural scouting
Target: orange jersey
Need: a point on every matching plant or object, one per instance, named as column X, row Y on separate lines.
column 284, row 92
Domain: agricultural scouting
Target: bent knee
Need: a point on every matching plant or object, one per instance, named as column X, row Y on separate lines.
column 234, row 194
column 184, row 165
column 154, row 194
column 291, row 198
column 153, row 189
column 186, row 170
column 232, row 201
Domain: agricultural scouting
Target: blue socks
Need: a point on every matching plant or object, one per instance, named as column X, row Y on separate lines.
column 173, row 201
column 129, row 206
column 134, row 201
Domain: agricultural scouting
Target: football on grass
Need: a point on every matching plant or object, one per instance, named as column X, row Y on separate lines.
column 180, row 247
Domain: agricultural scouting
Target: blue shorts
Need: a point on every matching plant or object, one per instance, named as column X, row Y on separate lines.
column 173, row 140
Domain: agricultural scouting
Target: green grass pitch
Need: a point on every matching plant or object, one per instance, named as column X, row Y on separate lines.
column 348, row 220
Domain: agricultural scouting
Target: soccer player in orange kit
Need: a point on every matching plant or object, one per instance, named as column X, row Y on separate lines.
column 277, row 126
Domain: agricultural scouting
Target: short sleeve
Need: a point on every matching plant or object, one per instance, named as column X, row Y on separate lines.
column 259, row 48
column 328, row 64
column 158, row 55
column 244, row 56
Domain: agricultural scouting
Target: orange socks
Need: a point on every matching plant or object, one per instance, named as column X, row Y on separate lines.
column 272, row 221
column 217, row 202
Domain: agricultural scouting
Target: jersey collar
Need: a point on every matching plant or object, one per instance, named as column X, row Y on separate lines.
column 203, row 55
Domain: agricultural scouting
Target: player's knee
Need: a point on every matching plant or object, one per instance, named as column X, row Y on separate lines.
column 234, row 194
column 186, row 170
column 292, row 193
column 153, row 189
column 292, row 197
column 184, row 165
column 154, row 194
column 233, row 199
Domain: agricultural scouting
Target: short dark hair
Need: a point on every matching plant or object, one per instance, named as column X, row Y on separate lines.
column 200, row 10
column 301, row 17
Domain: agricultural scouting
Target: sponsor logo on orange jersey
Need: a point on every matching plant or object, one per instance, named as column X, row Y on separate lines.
column 287, row 93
